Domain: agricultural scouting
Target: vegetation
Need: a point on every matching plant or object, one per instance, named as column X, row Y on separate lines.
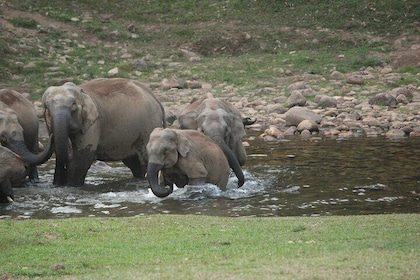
column 201, row 247
column 258, row 37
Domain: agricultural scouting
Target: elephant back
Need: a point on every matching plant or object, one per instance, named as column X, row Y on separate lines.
column 24, row 109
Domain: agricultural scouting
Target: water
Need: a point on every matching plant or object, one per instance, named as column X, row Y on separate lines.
column 294, row 177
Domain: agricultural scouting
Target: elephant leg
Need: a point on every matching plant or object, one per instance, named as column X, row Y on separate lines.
column 60, row 174
column 135, row 166
column 33, row 173
column 171, row 179
column 78, row 167
column 6, row 191
column 33, row 170
column 196, row 181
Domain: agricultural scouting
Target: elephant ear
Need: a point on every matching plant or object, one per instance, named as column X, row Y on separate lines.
column 188, row 120
column 89, row 112
column 184, row 145
column 45, row 112
column 237, row 126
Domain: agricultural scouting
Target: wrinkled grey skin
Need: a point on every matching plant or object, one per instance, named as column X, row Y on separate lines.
column 219, row 120
column 13, row 170
column 102, row 119
column 19, row 126
column 184, row 157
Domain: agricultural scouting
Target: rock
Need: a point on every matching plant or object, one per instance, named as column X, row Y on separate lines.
column 276, row 108
column 336, row 75
column 383, row 99
column 355, row 79
column 165, row 84
column 206, row 86
column 402, row 91
column 297, row 85
column 139, row 64
column 308, row 92
column 291, row 130
column 296, row 99
column 273, row 132
column 395, row 133
column 113, row 72
column 324, row 101
column 402, row 99
column 176, row 82
column 386, row 70
column 305, row 133
column 193, row 84
column 297, row 114
column 370, row 121
column 188, row 53
column 307, row 125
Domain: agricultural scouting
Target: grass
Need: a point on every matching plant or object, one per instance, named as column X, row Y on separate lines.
column 201, row 247
column 258, row 37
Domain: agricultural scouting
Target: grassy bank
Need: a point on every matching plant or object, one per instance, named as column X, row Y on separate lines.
column 243, row 43
column 200, row 247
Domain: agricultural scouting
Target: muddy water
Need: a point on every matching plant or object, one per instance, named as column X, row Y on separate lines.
column 294, row 177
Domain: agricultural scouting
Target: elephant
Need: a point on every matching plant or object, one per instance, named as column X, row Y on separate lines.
column 185, row 157
column 101, row 119
column 19, row 126
column 219, row 120
column 13, row 171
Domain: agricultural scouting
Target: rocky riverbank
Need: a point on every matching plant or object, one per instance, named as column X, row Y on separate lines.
column 364, row 103
column 369, row 103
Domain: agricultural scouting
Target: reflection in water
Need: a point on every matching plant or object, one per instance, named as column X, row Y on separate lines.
column 293, row 177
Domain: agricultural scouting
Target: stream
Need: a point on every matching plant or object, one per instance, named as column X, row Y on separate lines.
column 292, row 177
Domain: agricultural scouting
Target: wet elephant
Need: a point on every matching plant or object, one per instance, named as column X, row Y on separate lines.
column 13, row 170
column 19, row 126
column 102, row 119
column 186, row 157
column 219, row 120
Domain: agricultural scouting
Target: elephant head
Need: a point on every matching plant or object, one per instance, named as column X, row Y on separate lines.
column 164, row 148
column 68, row 112
column 12, row 137
column 219, row 120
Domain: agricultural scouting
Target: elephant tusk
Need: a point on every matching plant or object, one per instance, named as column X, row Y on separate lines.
column 160, row 181
column 9, row 199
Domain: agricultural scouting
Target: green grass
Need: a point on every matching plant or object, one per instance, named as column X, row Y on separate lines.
column 241, row 42
column 24, row 23
column 200, row 247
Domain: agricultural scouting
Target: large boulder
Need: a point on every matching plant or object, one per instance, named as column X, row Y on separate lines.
column 383, row 99
column 296, row 98
column 295, row 115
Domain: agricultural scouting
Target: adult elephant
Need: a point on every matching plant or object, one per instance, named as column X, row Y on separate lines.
column 13, row 170
column 186, row 157
column 102, row 119
column 219, row 120
column 19, row 126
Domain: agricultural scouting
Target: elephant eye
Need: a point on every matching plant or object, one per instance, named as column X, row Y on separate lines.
column 74, row 106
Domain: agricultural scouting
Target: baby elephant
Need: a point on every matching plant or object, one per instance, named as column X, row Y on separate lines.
column 184, row 157
column 13, row 171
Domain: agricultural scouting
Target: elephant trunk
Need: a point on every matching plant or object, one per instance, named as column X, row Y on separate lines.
column 19, row 147
column 233, row 163
column 60, row 129
column 152, row 176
